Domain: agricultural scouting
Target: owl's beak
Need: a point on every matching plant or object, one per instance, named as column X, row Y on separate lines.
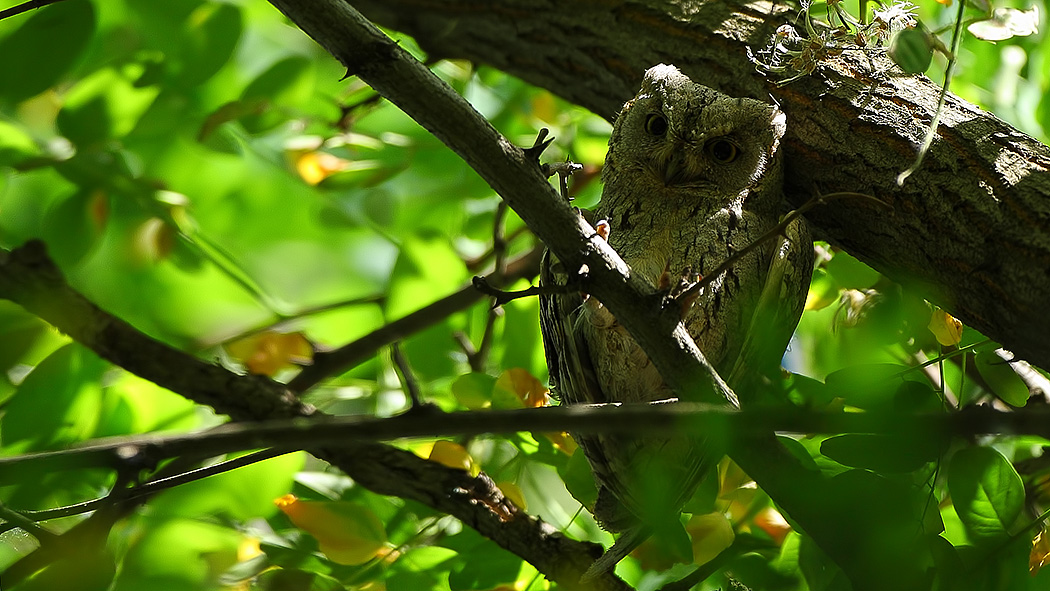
column 674, row 169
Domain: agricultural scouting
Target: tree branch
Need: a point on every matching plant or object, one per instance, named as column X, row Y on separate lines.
column 29, row 278
column 968, row 230
column 286, row 435
column 329, row 363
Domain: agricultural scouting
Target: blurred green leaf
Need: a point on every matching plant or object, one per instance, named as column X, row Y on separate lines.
column 210, row 34
column 58, row 403
column 105, row 105
column 239, row 494
column 43, row 48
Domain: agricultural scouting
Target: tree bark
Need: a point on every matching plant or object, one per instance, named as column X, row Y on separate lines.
column 970, row 230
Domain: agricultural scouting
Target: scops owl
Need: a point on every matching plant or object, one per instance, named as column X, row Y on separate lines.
column 691, row 176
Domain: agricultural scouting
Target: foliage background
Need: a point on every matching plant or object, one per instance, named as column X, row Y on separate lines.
column 200, row 170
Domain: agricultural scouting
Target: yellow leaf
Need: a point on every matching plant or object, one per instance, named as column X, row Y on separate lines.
column 513, row 492
column 563, row 442
column 711, row 534
column 773, row 523
column 269, row 352
column 452, row 455
column 315, row 167
column 525, row 386
column 152, row 241
column 347, row 533
column 946, row 328
column 1040, row 554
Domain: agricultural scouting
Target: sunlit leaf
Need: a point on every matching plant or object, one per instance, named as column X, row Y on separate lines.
column 823, row 291
column 946, row 328
column 105, row 105
column 474, row 390
column 850, row 273
column 987, row 493
column 1040, row 554
column 453, row 455
column 513, row 492
column 711, row 534
column 524, row 386
column 347, row 533
column 58, row 402
column 1006, row 23
column 1003, row 381
column 269, row 352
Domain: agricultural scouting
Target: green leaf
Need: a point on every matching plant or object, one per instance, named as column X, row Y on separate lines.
column 576, row 474
column 35, row 56
column 885, row 454
column 987, row 493
column 209, row 37
column 243, row 493
column 850, row 273
column 870, row 386
column 58, row 402
column 1003, row 381
column 474, row 390
column 105, row 105
column 486, row 565
column 287, row 83
column 15, row 145
column 912, row 50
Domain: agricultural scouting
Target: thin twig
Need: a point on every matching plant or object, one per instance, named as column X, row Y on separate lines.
column 408, row 379
column 25, row 7
column 660, row 418
column 770, row 234
column 330, row 363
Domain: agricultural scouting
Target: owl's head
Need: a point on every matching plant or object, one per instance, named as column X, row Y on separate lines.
column 692, row 137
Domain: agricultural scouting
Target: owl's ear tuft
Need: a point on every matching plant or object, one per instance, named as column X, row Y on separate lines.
column 660, row 76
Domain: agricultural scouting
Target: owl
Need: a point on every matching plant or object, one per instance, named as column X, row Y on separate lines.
column 691, row 177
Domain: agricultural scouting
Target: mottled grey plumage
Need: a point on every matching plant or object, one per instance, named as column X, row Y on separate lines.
column 691, row 176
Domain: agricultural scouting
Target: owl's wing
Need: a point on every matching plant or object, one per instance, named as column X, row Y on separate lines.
column 777, row 312
column 572, row 376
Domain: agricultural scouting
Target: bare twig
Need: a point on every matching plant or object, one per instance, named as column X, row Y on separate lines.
column 327, row 364
column 657, row 418
column 25, row 7
column 408, row 379
column 770, row 234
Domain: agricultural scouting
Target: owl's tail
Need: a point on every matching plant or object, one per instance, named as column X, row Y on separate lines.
column 624, row 545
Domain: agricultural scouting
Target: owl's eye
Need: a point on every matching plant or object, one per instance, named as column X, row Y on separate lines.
column 722, row 150
column 655, row 125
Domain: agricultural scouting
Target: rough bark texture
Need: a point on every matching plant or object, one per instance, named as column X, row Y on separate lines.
column 970, row 229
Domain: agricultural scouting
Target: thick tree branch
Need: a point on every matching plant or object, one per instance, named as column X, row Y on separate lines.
column 970, row 229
